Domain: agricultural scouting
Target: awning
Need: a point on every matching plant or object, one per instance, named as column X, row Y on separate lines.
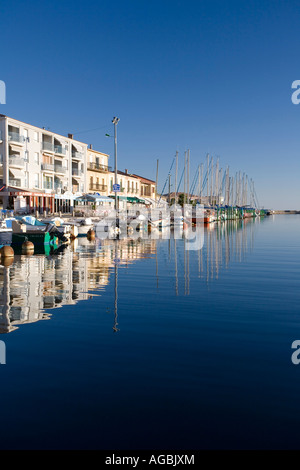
column 64, row 196
column 16, row 173
column 135, row 200
column 76, row 178
column 93, row 198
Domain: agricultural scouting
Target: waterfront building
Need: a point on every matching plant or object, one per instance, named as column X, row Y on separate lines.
column 39, row 169
column 42, row 171
column 97, row 172
column 147, row 187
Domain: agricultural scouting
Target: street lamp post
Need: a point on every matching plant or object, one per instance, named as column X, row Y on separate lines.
column 115, row 122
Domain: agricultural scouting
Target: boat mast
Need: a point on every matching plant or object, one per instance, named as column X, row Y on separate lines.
column 188, row 176
column 176, row 170
column 184, row 196
column 156, row 182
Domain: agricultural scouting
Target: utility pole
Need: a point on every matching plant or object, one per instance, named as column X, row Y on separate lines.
column 115, row 122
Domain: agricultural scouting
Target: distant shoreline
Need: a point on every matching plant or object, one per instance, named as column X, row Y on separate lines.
column 286, row 212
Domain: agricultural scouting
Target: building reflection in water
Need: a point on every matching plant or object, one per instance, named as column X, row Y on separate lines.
column 29, row 285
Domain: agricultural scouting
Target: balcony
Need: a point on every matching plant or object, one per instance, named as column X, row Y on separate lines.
column 15, row 182
column 77, row 172
column 15, row 137
column 98, row 167
column 48, row 185
column 77, row 155
column 98, row 187
column 60, row 169
column 59, row 150
column 48, row 146
column 16, row 161
column 47, row 167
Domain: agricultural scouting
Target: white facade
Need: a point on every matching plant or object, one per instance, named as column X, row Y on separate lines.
column 38, row 161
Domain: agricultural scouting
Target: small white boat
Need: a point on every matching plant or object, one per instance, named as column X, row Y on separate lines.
column 82, row 226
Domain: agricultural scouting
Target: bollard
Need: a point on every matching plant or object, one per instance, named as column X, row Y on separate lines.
column 27, row 248
column 6, row 252
column 90, row 234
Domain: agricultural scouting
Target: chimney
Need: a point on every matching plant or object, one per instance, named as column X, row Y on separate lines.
column 126, row 171
column 70, row 136
column 91, row 146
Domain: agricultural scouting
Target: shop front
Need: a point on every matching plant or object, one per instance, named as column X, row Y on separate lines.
column 30, row 202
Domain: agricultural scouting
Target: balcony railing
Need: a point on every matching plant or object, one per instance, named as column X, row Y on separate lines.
column 15, row 160
column 98, row 167
column 47, row 167
column 77, row 172
column 48, row 146
column 15, row 182
column 47, row 185
column 77, row 155
column 59, row 150
column 98, row 187
column 60, row 169
column 15, row 137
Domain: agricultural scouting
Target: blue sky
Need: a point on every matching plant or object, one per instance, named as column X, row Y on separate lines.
column 210, row 76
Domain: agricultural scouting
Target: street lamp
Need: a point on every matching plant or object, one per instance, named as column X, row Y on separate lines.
column 115, row 122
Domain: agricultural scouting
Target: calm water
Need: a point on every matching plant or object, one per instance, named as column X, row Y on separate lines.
column 146, row 345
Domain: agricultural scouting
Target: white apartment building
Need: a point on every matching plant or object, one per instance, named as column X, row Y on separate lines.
column 43, row 169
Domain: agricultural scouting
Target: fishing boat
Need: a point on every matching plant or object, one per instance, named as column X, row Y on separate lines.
column 209, row 216
column 31, row 229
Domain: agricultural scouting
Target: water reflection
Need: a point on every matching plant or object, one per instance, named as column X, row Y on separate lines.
column 32, row 284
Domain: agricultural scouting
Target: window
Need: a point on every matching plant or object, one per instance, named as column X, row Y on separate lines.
column 97, row 161
column 36, row 136
column 36, row 157
column 26, row 156
column 25, row 133
column 128, row 186
column 47, row 182
column 36, row 180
